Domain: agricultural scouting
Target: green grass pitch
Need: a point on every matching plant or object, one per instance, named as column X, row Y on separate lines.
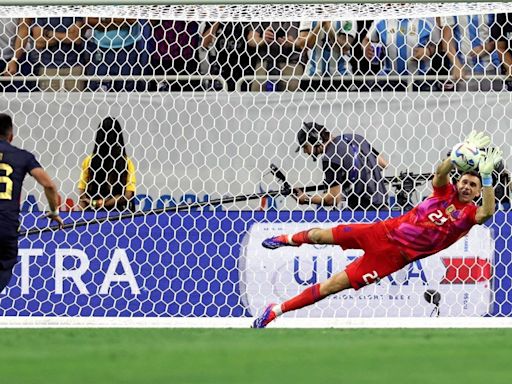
column 256, row 356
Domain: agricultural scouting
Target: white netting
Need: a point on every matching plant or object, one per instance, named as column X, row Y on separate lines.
column 267, row 12
column 206, row 109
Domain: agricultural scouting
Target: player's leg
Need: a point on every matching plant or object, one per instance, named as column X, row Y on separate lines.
column 381, row 259
column 310, row 236
column 8, row 258
column 311, row 295
column 345, row 235
column 317, row 292
column 5, row 277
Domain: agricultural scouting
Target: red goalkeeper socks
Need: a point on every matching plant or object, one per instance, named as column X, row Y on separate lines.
column 307, row 297
column 301, row 238
column 294, row 240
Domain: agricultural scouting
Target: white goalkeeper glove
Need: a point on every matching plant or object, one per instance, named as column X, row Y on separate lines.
column 478, row 139
column 490, row 159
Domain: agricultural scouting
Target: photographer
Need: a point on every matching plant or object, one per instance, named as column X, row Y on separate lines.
column 352, row 169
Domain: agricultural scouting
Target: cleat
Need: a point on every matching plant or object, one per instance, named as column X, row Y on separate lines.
column 266, row 317
column 276, row 242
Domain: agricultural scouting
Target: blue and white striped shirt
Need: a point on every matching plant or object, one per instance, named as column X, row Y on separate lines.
column 325, row 58
column 470, row 32
column 399, row 38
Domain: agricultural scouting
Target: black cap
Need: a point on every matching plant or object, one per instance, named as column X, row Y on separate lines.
column 309, row 133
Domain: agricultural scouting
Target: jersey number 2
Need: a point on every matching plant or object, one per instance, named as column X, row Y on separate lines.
column 437, row 217
column 5, row 180
column 371, row 277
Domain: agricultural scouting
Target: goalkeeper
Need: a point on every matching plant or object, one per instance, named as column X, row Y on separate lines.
column 433, row 225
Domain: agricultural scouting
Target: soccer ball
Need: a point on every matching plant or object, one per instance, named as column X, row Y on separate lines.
column 465, row 157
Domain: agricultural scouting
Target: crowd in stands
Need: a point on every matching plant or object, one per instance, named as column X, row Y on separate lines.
column 324, row 55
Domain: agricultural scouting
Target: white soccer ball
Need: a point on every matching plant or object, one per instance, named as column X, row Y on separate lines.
column 465, row 157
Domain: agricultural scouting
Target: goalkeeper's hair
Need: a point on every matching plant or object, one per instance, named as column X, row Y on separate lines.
column 5, row 124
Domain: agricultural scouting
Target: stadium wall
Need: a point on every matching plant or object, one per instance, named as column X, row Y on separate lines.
column 186, row 146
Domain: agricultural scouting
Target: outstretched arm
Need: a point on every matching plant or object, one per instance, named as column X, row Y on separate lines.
column 441, row 176
column 486, row 210
column 491, row 158
column 50, row 190
column 330, row 198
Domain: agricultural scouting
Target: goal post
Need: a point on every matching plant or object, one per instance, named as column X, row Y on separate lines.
column 209, row 158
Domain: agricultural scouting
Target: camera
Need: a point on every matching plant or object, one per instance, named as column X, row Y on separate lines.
column 405, row 186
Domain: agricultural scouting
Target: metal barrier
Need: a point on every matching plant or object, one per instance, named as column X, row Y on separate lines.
column 410, row 80
column 62, row 79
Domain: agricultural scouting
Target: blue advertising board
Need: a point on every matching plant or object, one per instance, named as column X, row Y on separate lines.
column 173, row 264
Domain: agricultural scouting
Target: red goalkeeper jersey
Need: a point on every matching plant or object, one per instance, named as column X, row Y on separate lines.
column 434, row 224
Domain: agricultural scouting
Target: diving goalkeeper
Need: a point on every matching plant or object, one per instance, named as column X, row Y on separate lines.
column 433, row 225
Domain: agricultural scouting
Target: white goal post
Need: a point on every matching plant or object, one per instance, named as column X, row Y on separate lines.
column 203, row 140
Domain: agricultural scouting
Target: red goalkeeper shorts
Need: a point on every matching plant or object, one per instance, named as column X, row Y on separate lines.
column 381, row 256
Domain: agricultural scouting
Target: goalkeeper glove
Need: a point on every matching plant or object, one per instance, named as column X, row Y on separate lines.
column 490, row 159
column 478, row 139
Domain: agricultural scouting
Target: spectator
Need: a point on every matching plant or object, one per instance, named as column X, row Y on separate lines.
column 329, row 45
column 276, row 54
column 58, row 51
column 359, row 66
column 471, row 51
column 352, row 169
column 107, row 179
column 14, row 41
column 175, row 54
column 406, row 46
column 225, row 52
column 115, row 49
column 501, row 33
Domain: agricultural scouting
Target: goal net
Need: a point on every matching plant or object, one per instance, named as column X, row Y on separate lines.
column 171, row 132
